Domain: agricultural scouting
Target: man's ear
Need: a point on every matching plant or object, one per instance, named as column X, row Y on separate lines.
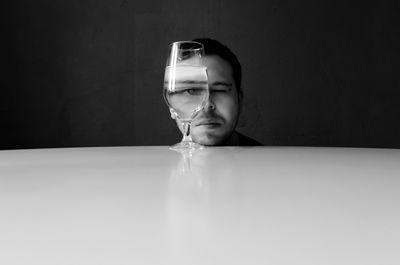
column 173, row 114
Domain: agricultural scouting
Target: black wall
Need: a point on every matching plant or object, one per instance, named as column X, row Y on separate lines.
column 89, row 73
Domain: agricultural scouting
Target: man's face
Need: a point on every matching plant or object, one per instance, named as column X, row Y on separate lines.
column 217, row 121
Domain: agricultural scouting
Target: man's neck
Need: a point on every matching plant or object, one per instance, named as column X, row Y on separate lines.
column 233, row 140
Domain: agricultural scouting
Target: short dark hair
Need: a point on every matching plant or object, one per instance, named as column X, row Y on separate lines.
column 214, row 47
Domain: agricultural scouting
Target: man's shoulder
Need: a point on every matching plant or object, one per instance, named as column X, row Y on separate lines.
column 247, row 141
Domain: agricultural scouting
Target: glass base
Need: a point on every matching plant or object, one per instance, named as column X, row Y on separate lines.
column 186, row 146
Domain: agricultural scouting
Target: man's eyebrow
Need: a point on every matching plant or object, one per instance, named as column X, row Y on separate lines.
column 187, row 82
column 219, row 83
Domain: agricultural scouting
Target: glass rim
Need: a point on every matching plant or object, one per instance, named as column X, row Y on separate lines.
column 188, row 41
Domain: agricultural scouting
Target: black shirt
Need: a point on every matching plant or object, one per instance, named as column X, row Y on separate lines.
column 247, row 141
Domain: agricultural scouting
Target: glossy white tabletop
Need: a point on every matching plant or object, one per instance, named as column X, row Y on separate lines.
column 150, row 205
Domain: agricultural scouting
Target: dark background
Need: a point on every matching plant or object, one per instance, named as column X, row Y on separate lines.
column 89, row 72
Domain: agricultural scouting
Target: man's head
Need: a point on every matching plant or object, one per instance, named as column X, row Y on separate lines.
column 216, row 123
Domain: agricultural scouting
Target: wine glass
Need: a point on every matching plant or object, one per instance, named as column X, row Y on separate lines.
column 185, row 87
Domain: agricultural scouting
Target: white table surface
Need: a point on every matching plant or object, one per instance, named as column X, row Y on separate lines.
column 150, row 205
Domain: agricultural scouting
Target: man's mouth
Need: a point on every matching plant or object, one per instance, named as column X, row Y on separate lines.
column 208, row 123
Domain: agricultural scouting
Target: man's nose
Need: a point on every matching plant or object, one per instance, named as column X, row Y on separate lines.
column 209, row 104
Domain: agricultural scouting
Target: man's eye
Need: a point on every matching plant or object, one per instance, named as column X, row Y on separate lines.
column 194, row 91
column 220, row 90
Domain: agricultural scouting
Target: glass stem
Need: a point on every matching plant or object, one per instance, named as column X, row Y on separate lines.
column 186, row 131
